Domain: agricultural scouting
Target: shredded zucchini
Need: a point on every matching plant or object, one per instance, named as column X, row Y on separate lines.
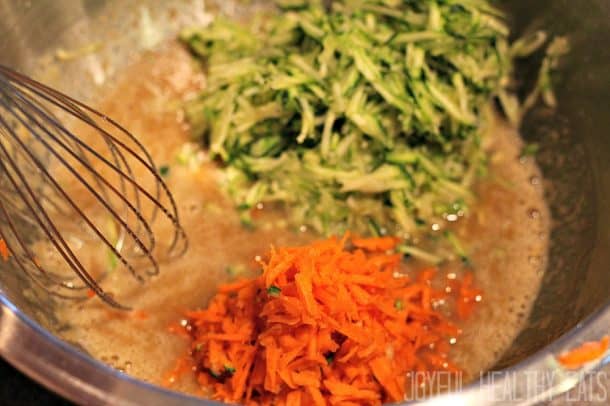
column 366, row 116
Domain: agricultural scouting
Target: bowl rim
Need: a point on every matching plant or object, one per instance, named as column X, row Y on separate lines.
column 65, row 370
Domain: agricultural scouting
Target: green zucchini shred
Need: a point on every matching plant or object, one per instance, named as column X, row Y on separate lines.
column 366, row 116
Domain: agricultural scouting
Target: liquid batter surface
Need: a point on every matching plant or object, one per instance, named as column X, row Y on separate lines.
column 506, row 234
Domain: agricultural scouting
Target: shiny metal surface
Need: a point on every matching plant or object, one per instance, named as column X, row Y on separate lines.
column 41, row 129
column 574, row 305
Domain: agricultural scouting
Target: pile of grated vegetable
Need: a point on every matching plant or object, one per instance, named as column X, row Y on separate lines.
column 367, row 115
column 333, row 322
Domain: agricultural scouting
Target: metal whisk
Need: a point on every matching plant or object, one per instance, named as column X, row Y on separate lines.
column 80, row 197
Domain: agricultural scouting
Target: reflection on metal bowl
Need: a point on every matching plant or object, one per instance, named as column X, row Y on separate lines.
column 573, row 305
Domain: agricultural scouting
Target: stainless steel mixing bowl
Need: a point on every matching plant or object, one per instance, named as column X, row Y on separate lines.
column 573, row 305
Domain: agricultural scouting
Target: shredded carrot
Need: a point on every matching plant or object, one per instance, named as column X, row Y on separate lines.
column 375, row 244
column 4, row 251
column 182, row 366
column 325, row 324
column 140, row 315
column 587, row 352
column 468, row 296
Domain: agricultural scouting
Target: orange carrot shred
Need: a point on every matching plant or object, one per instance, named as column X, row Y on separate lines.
column 183, row 365
column 375, row 243
column 587, row 352
column 325, row 324
column 4, row 251
column 139, row 315
column 468, row 297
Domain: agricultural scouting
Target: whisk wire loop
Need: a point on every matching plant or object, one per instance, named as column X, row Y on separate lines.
column 74, row 184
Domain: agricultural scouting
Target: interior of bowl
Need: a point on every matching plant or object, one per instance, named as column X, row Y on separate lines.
column 574, row 154
column 573, row 162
